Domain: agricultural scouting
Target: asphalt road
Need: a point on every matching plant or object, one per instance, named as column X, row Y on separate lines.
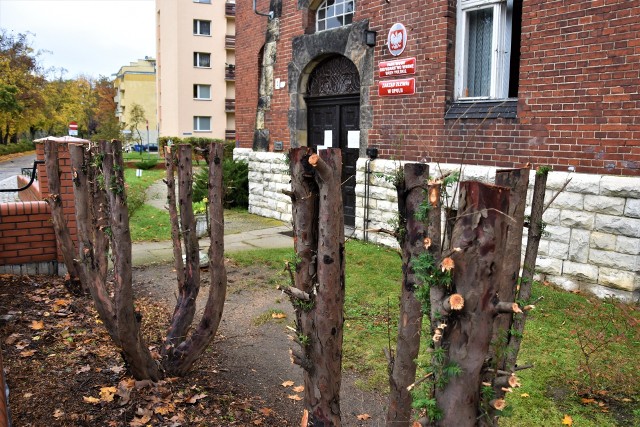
column 9, row 168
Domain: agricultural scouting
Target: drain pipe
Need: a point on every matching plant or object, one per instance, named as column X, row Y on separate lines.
column 372, row 153
column 255, row 9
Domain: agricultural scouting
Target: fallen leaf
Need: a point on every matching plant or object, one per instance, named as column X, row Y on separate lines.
column 278, row 315
column 257, row 422
column 90, row 399
column 567, row 420
column 524, row 395
column 363, row 417
column 287, row 384
column 294, row 397
column 266, row 411
column 85, row 368
column 299, row 389
column 116, row 369
column 58, row 413
column 195, row 398
column 587, row 401
column 36, row 325
column 27, row 353
column 11, row 339
column 27, row 395
column 106, row 394
column 164, row 410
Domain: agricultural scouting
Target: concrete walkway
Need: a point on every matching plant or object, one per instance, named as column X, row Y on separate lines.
column 145, row 253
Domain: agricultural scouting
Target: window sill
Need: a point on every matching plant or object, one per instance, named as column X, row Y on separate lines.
column 491, row 109
column 202, row 131
column 202, row 35
column 204, row 68
column 202, row 99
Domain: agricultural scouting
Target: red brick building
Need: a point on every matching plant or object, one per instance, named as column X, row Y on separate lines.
column 484, row 83
column 571, row 75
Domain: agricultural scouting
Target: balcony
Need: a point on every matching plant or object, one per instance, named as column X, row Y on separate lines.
column 230, row 42
column 230, row 72
column 230, row 134
column 229, row 105
column 230, row 9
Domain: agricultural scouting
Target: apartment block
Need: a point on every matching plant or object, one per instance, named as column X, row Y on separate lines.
column 196, row 68
column 136, row 84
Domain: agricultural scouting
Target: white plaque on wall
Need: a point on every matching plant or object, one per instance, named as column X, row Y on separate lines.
column 353, row 139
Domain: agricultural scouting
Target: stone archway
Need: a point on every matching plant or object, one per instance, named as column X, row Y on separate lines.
column 308, row 51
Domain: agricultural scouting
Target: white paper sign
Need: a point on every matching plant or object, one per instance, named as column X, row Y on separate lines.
column 353, row 139
column 328, row 139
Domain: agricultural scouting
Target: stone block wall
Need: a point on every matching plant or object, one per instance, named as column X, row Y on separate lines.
column 592, row 239
column 268, row 176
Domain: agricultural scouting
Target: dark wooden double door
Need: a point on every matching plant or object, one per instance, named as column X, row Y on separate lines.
column 339, row 115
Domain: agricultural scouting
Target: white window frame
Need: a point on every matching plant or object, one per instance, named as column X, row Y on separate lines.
column 197, row 31
column 323, row 6
column 197, row 123
column 501, row 47
column 202, row 1
column 197, row 95
column 197, row 58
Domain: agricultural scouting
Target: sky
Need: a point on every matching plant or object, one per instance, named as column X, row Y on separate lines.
column 86, row 37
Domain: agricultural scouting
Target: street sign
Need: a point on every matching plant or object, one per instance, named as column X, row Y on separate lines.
column 73, row 129
column 397, row 67
column 397, row 87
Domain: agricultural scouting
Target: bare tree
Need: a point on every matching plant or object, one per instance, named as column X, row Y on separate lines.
column 103, row 223
column 318, row 279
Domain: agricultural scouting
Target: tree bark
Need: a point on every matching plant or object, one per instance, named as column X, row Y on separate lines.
column 528, row 268
column 480, row 232
column 319, row 273
column 189, row 350
column 402, row 365
column 304, row 197
column 190, row 274
column 63, row 236
column 517, row 180
column 93, row 244
column 134, row 349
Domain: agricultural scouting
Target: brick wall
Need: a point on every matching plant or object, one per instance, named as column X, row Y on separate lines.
column 26, row 234
column 578, row 103
column 27, row 239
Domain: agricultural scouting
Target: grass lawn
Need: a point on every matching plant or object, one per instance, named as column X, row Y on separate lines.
column 557, row 385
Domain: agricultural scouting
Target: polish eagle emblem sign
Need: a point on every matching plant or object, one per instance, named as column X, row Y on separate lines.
column 397, row 39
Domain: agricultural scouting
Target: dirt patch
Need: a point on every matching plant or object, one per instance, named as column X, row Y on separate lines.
column 63, row 370
column 255, row 355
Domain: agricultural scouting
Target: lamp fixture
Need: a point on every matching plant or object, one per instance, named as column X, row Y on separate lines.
column 370, row 38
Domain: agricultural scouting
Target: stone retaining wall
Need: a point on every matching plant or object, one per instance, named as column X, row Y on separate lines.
column 592, row 239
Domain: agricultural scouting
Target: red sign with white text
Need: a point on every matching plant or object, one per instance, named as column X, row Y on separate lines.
column 397, row 87
column 397, row 67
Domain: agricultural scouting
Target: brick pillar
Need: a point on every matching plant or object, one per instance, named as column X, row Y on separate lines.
column 66, row 187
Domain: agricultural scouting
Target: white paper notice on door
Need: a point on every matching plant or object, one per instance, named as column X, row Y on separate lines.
column 328, row 139
column 353, row 139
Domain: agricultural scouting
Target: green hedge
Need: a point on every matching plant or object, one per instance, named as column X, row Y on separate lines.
column 235, row 183
column 202, row 143
column 19, row 147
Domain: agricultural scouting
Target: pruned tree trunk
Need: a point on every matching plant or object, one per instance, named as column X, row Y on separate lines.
column 402, row 365
column 63, row 236
column 319, row 276
column 517, row 180
column 480, row 232
column 181, row 359
column 103, row 221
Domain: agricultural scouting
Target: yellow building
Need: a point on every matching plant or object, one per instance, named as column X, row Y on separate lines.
column 196, row 68
column 136, row 84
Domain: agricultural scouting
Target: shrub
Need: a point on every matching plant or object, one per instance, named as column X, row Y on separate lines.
column 147, row 164
column 235, row 183
column 18, row 147
column 135, row 200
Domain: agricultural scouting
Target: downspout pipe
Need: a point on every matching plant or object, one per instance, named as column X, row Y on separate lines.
column 365, row 217
column 255, row 9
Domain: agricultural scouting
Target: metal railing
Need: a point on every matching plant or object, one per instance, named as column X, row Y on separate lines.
column 34, row 176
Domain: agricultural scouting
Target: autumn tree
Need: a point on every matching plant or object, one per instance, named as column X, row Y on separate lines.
column 104, row 124
column 136, row 119
column 21, row 84
column 103, row 225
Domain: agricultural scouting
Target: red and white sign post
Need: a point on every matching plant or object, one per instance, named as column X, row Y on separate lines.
column 73, row 129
